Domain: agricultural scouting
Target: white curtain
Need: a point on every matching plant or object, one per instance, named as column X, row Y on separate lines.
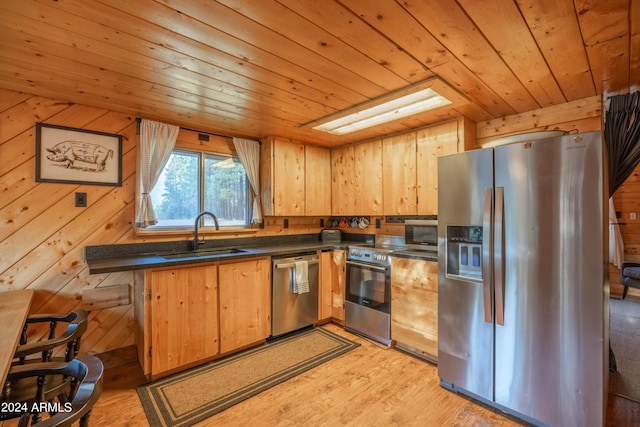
column 616, row 245
column 156, row 144
column 249, row 154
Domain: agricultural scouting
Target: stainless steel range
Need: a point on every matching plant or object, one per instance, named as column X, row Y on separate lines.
column 368, row 293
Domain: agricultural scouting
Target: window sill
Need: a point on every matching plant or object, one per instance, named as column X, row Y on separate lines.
column 202, row 231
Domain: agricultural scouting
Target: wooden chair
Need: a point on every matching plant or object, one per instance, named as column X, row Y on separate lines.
column 76, row 322
column 22, row 389
column 629, row 276
column 83, row 390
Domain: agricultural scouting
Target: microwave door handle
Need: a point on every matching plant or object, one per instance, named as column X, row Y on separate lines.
column 486, row 254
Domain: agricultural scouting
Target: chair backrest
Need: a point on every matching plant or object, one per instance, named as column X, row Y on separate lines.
column 86, row 374
column 77, row 322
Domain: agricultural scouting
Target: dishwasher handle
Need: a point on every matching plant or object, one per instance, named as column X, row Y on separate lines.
column 293, row 264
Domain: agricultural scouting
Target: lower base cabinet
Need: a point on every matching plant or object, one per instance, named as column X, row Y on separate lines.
column 245, row 303
column 414, row 306
column 189, row 315
column 332, row 285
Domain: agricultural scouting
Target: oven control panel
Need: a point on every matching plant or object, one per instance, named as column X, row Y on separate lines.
column 369, row 255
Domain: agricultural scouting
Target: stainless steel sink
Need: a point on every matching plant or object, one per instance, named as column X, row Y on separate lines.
column 203, row 253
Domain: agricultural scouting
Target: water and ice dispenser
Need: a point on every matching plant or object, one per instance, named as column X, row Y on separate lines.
column 464, row 251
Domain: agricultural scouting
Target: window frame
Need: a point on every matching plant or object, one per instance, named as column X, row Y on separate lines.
column 188, row 229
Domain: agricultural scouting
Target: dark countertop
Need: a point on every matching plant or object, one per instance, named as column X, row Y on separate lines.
column 140, row 256
column 150, row 260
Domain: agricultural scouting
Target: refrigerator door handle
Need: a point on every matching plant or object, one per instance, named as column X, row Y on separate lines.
column 498, row 245
column 486, row 254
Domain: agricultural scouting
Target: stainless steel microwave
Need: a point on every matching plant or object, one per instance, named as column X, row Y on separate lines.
column 421, row 234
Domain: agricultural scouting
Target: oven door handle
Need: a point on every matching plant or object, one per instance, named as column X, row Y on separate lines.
column 371, row 266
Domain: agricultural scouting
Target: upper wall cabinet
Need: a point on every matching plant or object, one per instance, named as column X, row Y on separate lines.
column 410, row 168
column 356, row 177
column 399, row 174
column 317, row 181
column 368, row 178
column 432, row 142
column 289, row 172
column 343, row 193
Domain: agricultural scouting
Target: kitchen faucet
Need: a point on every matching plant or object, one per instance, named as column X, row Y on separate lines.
column 196, row 242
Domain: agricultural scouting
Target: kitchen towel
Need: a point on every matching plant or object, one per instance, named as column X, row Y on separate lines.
column 301, row 277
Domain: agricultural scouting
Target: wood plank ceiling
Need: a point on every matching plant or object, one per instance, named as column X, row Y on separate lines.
column 255, row 68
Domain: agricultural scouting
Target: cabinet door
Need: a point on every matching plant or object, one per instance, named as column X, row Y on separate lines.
column 324, row 288
column 433, row 142
column 317, row 181
column 184, row 316
column 342, row 184
column 338, row 283
column 282, row 177
column 288, row 183
column 414, row 305
column 245, row 303
column 368, row 178
column 399, row 174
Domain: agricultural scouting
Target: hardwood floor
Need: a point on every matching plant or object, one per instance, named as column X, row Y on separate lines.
column 368, row 386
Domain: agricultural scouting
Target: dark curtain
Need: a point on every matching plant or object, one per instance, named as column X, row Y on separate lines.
column 622, row 139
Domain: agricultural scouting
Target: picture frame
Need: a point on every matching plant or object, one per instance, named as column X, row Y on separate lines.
column 77, row 156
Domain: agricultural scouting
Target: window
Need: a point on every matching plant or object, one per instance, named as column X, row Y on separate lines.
column 193, row 182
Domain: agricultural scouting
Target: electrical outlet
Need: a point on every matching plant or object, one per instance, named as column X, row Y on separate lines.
column 632, row 216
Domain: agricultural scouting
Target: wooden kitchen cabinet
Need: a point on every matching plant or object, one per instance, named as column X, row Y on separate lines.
column 188, row 315
column 432, row 142
column 414, row 306
column 332, row 285
column 343, row 188
column 295, row 179
column 338, row 283
column 317, row 181
column 245, row 303
column 182, row 323
column 356, row 176
column 282, row 180
column 399, row 174
column 325, row 285
column 368, row 178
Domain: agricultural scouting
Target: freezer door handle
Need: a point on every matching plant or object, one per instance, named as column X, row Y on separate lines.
column 498, row 245
column 486, row 254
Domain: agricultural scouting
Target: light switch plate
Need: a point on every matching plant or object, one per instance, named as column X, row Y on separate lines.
column 81, row 200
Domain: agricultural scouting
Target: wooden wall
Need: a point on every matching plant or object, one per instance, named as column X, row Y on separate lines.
column 627, row 201
column 42, row 233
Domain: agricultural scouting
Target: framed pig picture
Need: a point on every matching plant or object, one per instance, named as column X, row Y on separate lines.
column 77, row 156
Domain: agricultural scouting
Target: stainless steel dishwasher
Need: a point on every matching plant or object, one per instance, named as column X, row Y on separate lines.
column 291, row 310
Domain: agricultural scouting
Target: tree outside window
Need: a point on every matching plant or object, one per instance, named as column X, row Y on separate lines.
column 193, row 182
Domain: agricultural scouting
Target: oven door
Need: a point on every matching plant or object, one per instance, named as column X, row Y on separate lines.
column 369, row 285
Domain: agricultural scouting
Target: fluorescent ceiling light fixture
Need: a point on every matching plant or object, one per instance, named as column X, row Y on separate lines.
column 375, row 112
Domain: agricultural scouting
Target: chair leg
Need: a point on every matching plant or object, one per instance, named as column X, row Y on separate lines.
column 624, row 292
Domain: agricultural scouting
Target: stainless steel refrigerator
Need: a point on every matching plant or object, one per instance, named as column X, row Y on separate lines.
column 523, row 278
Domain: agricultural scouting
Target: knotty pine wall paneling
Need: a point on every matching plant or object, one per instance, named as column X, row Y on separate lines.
column 43, row 234
column 627, row 201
